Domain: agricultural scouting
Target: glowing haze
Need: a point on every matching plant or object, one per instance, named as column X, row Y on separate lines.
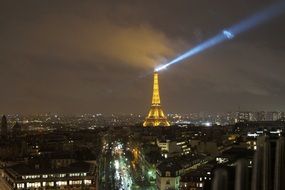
column 73, row 56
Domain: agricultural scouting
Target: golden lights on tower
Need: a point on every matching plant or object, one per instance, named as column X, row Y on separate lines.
column 155, row 116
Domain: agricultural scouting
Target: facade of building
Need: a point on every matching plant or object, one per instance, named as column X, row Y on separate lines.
column 199, row 179
column 169, row 148
column 172, row 148
column 168, row 176
column 4, row 127
column 244, row 116
column 170, row 171
column 72, row 175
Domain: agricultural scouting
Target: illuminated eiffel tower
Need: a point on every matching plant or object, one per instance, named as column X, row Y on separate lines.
column 155, row 116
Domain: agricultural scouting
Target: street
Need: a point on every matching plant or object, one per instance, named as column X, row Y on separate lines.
column 116, row 170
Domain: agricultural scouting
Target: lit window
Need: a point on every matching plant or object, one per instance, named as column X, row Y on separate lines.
column 61, row 183
column 83, row 174
column 51, row 184
column 167, row 174
column 74, row 174
column 20, row 185
column 87, row 182
column 35, row 184
column 78, row 182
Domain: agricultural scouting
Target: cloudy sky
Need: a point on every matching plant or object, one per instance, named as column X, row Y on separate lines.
column 92, row 56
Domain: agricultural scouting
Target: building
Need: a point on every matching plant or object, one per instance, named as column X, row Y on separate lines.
column 156, row 116
column 267, row 171
column 199, row 179
column 16, row 130
column 169, row 172
column 171, row 148
column 272, row 116
column 168, row 175
column 4, row 127
column 72, row 175
column 260, row 116
column 244, row 116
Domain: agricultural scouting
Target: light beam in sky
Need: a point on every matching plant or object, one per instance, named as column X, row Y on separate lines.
column 228, row 34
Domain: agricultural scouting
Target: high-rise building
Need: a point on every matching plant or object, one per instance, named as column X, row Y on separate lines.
column 156, row 116
column 4, row 126
column 244, row 116
column 16, row 130
column 260, row 116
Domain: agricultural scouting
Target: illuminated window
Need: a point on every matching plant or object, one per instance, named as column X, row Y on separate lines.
column 74, row 174
column 51, row 184
column 87, row 182
column 45, row 176
column 83, row 174
column 35, row 184
column 31, row 176
column 62, row 175
column 61, row 183
column 78, row 182
column 167, row 174
column 20, row 185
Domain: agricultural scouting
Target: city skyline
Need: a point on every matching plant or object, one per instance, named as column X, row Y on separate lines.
column 93, row 57
column 142, row 95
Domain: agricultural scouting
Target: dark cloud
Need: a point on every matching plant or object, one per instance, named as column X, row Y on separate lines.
column 88, row 56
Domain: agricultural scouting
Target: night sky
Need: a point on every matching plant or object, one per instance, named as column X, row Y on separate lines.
column 92, row 56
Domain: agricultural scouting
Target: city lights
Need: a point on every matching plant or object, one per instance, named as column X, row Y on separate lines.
column 69, row 122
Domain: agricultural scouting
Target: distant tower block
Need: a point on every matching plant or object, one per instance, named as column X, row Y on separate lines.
column 155, row 116
column 4, row 127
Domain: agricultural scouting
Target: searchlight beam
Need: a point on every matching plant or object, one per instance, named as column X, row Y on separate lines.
column 228, row 34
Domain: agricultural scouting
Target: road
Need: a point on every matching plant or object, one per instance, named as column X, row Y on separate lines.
column 123, row 178
column 116, row 171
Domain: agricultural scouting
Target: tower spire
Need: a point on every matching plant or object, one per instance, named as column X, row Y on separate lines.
column 155, row 116
column 155, row 95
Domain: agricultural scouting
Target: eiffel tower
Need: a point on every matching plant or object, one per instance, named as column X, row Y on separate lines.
column 155, row 116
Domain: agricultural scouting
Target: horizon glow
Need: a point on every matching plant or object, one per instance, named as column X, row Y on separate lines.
column 228, row 34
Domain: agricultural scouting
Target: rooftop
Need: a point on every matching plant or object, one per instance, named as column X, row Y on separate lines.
column 25, row 169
